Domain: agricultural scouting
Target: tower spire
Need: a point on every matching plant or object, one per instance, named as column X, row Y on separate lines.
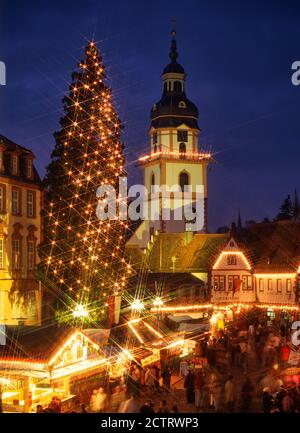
column 173, row 53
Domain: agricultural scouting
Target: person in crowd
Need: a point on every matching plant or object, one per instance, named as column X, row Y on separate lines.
column 279, row 398
column 149, row 379
column 156, row 375
column 199, row 389
column 297, row 399
column 163, row 407
column 130, row 406
column 247, row 395
column 39, row 409
column 288, row 403
column 147, row 407
column 101, row 400
column 189, row 384
column 82, row 408
column 267, row 401
column 116, row 399
column 229, row 393
column 136, row 377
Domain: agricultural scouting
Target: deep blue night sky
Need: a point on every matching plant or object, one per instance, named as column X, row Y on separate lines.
column 238, row 58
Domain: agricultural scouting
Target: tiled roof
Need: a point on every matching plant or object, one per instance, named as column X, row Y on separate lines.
column 33, row 343
column 184, row 252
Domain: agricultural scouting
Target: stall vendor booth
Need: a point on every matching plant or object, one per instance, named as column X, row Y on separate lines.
column 46, row 362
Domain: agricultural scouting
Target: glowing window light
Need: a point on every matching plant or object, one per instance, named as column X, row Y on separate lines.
column 237, row 253
column 153, row 330
column 158, row 302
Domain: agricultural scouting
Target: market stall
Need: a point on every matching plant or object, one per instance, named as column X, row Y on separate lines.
column 52, row 366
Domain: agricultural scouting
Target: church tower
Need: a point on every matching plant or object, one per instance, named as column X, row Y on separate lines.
column 174, row 158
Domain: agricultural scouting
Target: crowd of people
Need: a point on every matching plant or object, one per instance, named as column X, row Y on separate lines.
column 230, row 387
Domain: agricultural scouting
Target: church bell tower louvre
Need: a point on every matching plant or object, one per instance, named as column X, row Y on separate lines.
column 175, row 161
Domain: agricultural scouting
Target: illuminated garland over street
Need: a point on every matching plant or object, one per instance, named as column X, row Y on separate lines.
column 82, row 257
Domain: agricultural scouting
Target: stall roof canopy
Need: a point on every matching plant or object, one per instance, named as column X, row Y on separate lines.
column 36, row 343
column 272, row 246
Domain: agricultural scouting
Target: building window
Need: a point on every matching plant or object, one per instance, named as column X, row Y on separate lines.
column 230, row 282
column 182, row 149
column 183, row 180
column 29, row 168
column 16, row 254
column 31, row 255
column 155, row 137
column 182, row 104
column 279, row 286
column 249, row 282
column 288, row 285
column 231, row 259
column 14, row 164
column 2, row 198
column 182, row 135
column 30, row 204
column 1, row 254
column 261, row 284
column 16, row 201
column 270, row 285
column 152, row 181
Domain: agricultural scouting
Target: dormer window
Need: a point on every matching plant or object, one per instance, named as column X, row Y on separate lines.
column 182, row 104
column 29, row 168
column 177, row 87
column 14, row 164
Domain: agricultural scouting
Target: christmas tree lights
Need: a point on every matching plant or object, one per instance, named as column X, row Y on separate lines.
column 81, row 257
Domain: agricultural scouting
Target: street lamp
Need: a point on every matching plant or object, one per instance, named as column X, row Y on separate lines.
column 80, row 311
column 158, row 302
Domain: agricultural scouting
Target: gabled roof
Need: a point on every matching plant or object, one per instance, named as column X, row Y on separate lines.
column 36, row 344
column 11, row 146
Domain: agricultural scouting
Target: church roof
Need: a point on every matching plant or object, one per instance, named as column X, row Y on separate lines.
column 174, row 108
column 180, row 252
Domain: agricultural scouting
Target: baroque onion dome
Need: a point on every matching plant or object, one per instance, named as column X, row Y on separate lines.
column 174, row 108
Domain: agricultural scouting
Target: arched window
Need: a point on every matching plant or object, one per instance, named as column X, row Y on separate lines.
column 183, row 180
column 177, row 86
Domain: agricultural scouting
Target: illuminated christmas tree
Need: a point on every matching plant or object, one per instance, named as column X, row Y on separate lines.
column 82, row 257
